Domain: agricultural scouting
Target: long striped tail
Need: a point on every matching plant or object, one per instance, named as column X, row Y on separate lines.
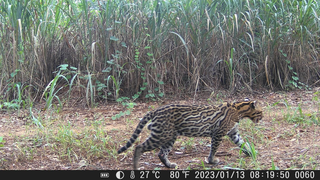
column 136, row 133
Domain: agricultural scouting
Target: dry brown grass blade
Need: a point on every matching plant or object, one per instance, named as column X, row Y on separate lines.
column 266, row 71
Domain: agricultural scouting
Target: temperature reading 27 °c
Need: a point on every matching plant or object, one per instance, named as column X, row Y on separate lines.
column 146, row 174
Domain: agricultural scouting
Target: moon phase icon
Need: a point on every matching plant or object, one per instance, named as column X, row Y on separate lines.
column 120, row 175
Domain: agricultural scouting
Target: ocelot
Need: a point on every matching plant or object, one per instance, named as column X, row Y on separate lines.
column 171, row 121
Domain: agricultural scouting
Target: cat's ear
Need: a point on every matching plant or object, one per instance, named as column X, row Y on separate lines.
column 253, row 104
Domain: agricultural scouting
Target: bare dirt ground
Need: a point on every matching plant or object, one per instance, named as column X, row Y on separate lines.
column 82, row 138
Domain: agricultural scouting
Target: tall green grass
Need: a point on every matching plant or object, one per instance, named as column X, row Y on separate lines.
column 186, row 44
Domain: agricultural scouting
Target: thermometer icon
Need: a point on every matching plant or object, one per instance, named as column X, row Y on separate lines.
column 132, row 176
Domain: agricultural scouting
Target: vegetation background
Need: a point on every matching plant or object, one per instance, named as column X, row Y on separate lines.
column 79, row 54
column 141, row 48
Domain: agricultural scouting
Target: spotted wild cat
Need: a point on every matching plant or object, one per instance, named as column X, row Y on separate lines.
column 171, row 121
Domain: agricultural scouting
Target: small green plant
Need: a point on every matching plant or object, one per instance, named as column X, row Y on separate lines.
column 242, row 163
column 152, row 93
column 125, row 101
column 101, row 88
column 203, row 166
column 316, row 98
column 17, row 103
column 116, row 83
column 250, row 148
column 50, row 91
column 298, row 117
column 35, row 120
column 188, row 144
column 273, row 167
column 2, row 141
column 117, row 71
column 10, row 105
column 294, row 81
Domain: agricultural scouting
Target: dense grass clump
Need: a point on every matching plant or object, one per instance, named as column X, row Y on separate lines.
column 150, row 48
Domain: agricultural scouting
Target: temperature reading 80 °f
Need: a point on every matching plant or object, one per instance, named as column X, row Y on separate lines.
column 176, row 174
column 146, row 174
